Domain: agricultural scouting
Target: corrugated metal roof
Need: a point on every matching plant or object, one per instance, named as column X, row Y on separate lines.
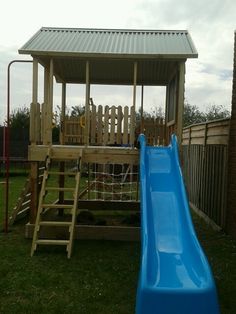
column 111, row 42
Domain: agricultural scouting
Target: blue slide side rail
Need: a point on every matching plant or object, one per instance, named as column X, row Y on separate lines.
column 175, row 276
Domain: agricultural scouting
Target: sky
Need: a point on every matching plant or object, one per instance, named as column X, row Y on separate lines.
column 211, row 24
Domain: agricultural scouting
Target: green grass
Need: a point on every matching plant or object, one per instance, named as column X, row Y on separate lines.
column 101, row 276
column 221, row 252
column 16, row 184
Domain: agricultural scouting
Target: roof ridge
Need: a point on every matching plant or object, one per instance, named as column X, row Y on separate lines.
column 123, row 30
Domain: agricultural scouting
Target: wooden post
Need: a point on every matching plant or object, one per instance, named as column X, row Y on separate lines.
column 87, row 113
column 33, row 139
column 61, row 178
column 48, row 94
column 141, row 111
column 167, row 133
column 180, row 101
column 132, row 122
column 63, row 114
column 44, row 123
column 33, row 106
column 231, row 184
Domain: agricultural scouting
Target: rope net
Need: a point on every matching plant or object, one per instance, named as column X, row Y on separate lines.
column 114, row 182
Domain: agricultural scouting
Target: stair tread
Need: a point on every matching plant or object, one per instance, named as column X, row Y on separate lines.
column 55, row 223
column 57, row 206
column 52, row 242
column 54, row 188
column 66, row 173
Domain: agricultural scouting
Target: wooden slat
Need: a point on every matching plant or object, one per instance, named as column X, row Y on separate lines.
column 125, row 125
column 106, row 125
column 52, row 242
column 93, row 126
column 112, row 121
column 119, row 125
column 55, row 223
column 100, row 125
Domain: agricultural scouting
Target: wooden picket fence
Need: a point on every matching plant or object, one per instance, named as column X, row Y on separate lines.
column 114, row 126
column 155, row 131
column 108, row 126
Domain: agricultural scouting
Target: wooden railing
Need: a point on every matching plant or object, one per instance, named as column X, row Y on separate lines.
column 205, row 157
column 155, row 131
column 108, row 126
column 114, row 126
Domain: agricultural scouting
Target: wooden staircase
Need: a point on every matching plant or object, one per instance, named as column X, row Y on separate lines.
column 46, row 206
column 22, row 207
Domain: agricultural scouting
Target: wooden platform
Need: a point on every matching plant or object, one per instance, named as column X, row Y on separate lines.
column 113, row 233
column 92, row 154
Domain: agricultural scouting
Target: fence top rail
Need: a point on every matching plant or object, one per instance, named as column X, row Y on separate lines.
column 206, row 122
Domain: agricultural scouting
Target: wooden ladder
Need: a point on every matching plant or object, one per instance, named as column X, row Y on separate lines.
column 45, row 206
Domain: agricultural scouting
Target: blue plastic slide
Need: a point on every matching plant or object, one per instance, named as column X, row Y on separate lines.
column 175, row 277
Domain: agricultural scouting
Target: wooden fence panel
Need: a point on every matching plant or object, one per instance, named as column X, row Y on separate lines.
column 205, row 167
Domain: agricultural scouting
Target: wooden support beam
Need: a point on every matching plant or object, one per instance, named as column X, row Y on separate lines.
column 93, row 154
column 63, row 113
column 87, row 111
column 35, row 82
column 132, row 122
column 180, row 101
column 116, row 233
column 44, row 119
column 62, row 141
column 33, row 106
column 141, row 111
column 48, row 100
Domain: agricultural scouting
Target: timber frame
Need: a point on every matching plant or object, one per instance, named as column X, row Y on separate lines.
column 136, row 68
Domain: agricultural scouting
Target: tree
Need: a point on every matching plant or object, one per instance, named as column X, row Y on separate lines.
column 157, row 112
column 192, row 115
column 216, row 112
column 77, row 111
column 20, row 118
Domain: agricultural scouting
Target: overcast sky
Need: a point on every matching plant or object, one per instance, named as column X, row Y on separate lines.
column 211, row 24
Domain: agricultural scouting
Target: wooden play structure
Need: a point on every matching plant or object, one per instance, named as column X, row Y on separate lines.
column 100, row 145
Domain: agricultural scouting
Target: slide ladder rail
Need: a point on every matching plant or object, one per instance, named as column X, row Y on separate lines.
column 175, row 277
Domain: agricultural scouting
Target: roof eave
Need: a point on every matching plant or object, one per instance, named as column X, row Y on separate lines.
column 107, row 55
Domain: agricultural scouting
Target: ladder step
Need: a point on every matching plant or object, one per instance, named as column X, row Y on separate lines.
column 51, row 188
column 52, row 242
column 57, row 206
column 55, row 223
column 67, row 173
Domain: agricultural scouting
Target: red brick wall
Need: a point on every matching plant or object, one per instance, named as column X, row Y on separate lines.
column 231, row 195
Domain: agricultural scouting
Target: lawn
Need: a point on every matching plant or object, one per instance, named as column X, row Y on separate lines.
column 101, row 276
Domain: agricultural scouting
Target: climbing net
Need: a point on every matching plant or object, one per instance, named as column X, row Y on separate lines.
column 114, row 182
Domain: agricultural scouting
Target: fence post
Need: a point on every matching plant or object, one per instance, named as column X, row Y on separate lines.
column 231, row 195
